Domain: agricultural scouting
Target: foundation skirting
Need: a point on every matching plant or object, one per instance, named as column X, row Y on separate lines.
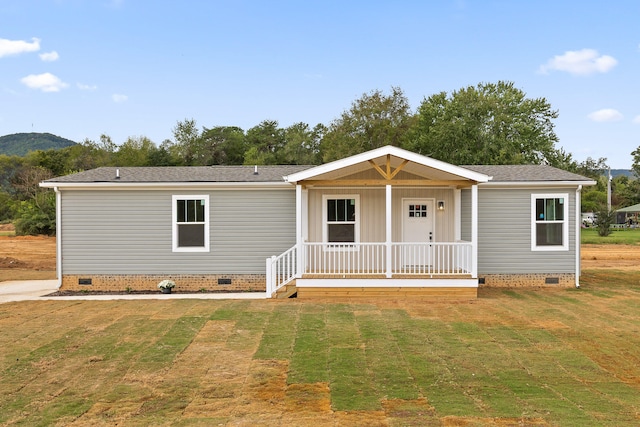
column 149, row 282
column 560, row 280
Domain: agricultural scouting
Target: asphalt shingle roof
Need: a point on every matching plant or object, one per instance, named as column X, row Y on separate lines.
column 183, row 174
column 525, row 173
column 177, row 174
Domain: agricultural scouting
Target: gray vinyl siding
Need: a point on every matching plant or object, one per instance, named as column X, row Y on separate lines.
column 130, row 232
column 504, row 233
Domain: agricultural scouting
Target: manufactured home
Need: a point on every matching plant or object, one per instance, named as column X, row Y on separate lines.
column 387, row 222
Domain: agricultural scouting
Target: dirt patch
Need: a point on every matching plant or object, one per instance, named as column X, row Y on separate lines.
column 618, row 257
column 27, row 257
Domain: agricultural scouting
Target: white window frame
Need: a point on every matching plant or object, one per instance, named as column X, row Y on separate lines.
column 175, row 224
column 564, row 222
column 325, row 217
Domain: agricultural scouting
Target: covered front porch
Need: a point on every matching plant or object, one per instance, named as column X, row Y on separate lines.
column 386, row 222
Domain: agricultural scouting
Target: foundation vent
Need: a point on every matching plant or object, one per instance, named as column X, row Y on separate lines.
column 84, row 281
column 224, row 281
column 552, row 281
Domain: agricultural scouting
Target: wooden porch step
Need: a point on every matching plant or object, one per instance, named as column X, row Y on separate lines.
column 286, row 291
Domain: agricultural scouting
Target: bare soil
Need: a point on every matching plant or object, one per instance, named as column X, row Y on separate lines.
column 34, row 257
column 616, row 257
column 27, row 257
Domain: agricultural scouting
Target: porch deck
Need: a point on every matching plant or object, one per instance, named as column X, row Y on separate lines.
column 426, row 270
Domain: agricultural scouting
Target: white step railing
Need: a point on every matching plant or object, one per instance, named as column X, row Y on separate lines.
column 281, row 270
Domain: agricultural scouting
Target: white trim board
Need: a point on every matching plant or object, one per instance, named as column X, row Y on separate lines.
column 387, row 283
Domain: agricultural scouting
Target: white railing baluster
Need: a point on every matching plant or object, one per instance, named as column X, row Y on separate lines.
column 407, row 258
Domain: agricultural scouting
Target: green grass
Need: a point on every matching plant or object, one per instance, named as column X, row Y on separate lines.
column 617, row 237
column 565, row 356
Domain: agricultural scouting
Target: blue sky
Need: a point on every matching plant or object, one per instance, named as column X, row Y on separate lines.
column 81, row 68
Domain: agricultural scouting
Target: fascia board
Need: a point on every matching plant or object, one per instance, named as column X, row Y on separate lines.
column 534, row 184
column 165, row 185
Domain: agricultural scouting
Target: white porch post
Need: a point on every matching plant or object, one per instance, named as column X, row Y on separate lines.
column 474, row 231
column 388, row 246
column 299, row 231
column 457, row 214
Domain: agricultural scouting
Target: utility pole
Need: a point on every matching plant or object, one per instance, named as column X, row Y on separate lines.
column 609, row 190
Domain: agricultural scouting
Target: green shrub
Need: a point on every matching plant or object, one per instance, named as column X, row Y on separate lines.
column 37, row 216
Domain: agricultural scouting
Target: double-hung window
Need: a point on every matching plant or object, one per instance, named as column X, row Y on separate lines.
column 550, row 222
column 341, row 222
column 190, row 223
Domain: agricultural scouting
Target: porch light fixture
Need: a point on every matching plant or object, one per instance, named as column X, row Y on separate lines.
column 440, row 205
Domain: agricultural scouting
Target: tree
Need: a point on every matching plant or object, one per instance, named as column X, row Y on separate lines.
column 302, row 144
column 604, row 219
column 592, row 197
column 161, row 156
column 374, row 120
column 187, row 138
column 35, row 207
column 635, row 167
column 223, row 145
column 492, row 123
column 135, row 151
column 265, row 144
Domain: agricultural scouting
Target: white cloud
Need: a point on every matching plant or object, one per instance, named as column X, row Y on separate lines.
column 580, row 62
column 16, row 47
column 49, row 56
column 606, row 115
column 83, row 86
column 117, row 97
column 46, row 82
column 636, row 120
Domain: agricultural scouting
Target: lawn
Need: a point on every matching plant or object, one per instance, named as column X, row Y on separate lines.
column 618, row 237
column 567, row 357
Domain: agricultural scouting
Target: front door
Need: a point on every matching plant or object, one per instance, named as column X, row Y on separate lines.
column 417, row 226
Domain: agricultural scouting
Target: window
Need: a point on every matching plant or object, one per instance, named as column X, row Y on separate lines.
column 549, row 225
column 341, row 218
column 190, row 223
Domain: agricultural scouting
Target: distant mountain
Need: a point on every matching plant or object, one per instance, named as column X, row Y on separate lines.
column 19, row 144
column 625, row 172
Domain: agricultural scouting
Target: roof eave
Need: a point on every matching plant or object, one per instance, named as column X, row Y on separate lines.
column 158, row 185
column 496, row 184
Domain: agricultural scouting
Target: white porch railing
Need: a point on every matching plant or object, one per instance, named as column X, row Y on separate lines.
column 281, row 270
column 344, row 258
column 436, row 259
column 361, row 259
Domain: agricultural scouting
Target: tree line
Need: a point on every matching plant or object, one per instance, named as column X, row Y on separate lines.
column 490, row 123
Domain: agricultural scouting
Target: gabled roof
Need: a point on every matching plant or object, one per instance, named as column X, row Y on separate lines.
column 379, row 156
